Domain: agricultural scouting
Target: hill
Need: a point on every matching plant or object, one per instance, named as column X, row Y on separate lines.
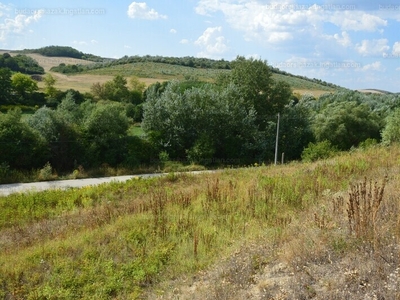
column 20, row 63
column 167, row 68
column 63, row 51
column 296, row 231
column 374, row 91
column 74, row 69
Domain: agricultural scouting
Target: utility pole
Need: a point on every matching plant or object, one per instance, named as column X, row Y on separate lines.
column 277, row 140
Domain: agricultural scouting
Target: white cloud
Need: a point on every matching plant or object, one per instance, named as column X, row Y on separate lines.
column 375, row 66
column 18, row 24
column 173, row 31
column 343, row 40
column 372, row 47
column 85, row 43
column 140, row 10
column 212, row 42
column 127, row 47
column 277, row 23
column 357, row 21
column 396, row 48
column 184, row 41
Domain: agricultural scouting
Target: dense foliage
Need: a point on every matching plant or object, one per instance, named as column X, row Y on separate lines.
column 218, row 128
column 63, row 51
column 192, row 62
column 187, row 61
column 20, row 63
column 233, row 121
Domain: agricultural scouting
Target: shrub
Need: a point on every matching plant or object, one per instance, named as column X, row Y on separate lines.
column 46, row 173
column 316, row 151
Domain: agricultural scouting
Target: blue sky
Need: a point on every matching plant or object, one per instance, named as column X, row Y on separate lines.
column 354, row 45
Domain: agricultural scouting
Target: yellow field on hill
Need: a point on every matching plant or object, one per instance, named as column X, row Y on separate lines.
column 83, row 82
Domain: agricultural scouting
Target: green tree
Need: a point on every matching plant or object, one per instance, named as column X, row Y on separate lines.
column 346, row 124
column 24, row 86
column 391, row 132
column 97, row 89
column 49, row 83
column 5, row 86
column 295, row 131
column 116, row 89
column 259, row 90
column 316, row 151
column 216, row 129
column 104, row 132
column 70, row 110
column 136, row 85
column 20, row 146
column 61, row 137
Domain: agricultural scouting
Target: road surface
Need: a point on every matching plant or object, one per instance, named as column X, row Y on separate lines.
column 7, row 189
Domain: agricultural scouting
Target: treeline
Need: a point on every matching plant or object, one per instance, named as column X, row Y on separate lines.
column 314, row 80
column 230, row 122
column 18, row 89
column 68, row 129
column 187, row 61
column 235, row 120
column 20, row 63
column 64, row 51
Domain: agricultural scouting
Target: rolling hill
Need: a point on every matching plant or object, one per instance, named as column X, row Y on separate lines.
column 152, row 69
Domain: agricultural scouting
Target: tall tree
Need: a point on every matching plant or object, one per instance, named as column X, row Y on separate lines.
column 259, row 90
column 20, row 146
column 203, row 124
column 391, row 132
column 24, row 86
column 346, row 124
column 5, row 86
column 49, row 85
column 104, row 129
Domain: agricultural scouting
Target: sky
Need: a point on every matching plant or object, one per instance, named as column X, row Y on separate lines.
column 354, row 45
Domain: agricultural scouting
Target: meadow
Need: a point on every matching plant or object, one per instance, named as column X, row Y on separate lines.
column 150, row 73
column 323, row 230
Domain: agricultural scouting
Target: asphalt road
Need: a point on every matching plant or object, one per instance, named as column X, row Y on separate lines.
column 7, row 189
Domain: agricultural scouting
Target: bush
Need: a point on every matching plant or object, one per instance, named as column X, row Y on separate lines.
column 316, row 151
column 368, row 143
column 391, row 133
column 46, row 173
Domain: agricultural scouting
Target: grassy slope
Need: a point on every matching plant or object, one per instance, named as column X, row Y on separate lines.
column 149, row 73
column 283, row 232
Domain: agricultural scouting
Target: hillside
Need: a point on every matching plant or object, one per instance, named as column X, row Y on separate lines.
column 63, row 51
column 269, row 232
column 149, row 69
column 151, row 72
column 48, row 62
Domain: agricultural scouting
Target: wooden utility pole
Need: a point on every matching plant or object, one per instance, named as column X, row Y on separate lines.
column 277, row 140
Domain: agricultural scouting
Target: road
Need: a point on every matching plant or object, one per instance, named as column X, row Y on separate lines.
column 7, row 189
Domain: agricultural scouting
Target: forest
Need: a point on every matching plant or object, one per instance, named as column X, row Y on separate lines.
column 229, row 122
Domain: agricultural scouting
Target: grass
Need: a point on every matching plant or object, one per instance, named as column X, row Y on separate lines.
column 136, row 129
column 150, row 73
column 145, row 238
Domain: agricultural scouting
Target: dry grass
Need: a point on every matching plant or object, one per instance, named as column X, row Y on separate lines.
column 259, row 233
column 48, row 62
column 315, row 93
column 318, row 254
